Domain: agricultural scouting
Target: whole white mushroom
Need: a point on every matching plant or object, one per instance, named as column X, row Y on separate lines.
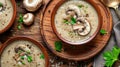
column 28, row 19
column 32, row 5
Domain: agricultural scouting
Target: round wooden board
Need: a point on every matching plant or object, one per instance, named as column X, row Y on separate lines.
column 81, row 52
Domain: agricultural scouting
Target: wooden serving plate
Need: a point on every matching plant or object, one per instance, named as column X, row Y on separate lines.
column 81, row 52
column 12, row 19
column 28, row 39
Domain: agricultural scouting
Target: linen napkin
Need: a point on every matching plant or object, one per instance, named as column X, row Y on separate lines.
column 114, row 40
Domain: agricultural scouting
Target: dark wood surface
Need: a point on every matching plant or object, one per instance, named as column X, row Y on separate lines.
column 81, row 52
column 34, row 30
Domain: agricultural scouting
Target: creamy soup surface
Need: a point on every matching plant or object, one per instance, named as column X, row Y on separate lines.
column 6, row 13
column 87, row 11
column 22, row 53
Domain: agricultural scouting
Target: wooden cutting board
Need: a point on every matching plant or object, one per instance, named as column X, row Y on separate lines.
column 81, row 52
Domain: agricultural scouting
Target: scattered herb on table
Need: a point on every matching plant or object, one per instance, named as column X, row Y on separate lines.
column 102, row 32
column 29, row 58
column 1, row 4
column 111, row 56
column 58, row 46
column 20, row 21
column 42, row 56
column 19, row 27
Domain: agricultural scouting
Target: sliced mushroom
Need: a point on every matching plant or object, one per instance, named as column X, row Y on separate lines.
column 2, row 7
column 87, row 28
column 23, row 48
column 32, row 5
column 28, row 19
column 78, row 26
column 72, row 13
column 74, row 9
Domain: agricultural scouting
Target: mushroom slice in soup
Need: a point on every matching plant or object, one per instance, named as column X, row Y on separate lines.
column 73, row 10
column 82, row 26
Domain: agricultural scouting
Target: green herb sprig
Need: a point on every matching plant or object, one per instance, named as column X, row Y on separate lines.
column 73, row 21
column 80, row 6
column 111, row 56
column 58, row 46
column 20, row 21
column 29, row 58
column 42, row 56
column 1, row 5
column 103, row 32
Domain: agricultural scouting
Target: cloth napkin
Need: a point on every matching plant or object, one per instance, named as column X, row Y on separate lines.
column 114, row 40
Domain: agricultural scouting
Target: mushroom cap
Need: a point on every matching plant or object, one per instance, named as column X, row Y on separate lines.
column 32, row 5
column 28, row 19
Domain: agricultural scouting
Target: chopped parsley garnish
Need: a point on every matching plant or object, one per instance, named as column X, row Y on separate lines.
column 58, row 46
column 65, row 21
column 73, row 21
column 22, row 57
column 22, row 62
column 1, row 4
column 29, row 58
column 80, row 6
column 42, row 56
column 102, row 32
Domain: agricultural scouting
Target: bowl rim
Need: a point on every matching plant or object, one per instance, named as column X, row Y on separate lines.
column 39, row 45
column 12, row 19
column 84, row 41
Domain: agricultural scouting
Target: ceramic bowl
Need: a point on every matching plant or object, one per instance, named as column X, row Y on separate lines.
column 12, row 19
column 81, row 42
column 13, row 39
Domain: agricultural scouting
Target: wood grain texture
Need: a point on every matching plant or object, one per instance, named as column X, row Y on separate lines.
column 81, row 52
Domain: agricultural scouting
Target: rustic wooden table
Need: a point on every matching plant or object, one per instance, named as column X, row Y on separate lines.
column 33, row 31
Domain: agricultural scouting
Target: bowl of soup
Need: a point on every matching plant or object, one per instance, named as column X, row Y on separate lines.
column 7, row 14
column 76, row 22
column 23, row 52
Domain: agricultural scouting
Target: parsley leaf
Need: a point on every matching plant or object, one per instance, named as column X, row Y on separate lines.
column 65, row 21
column 73, row 20
column 1, row 4
column 20, row 18
column 102, row 32
column 58, row 46
column 19, row 27
column 80, row 6
column 22, row 57
column 23, row 62
column 42, row 56
column 111, row 56
column 29, row 58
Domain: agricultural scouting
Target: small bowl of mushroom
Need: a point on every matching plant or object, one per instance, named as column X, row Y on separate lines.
column 76, row 22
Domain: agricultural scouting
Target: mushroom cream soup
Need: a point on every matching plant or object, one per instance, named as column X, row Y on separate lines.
column 22, row 53
column 76, row 20
column 6, row 13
